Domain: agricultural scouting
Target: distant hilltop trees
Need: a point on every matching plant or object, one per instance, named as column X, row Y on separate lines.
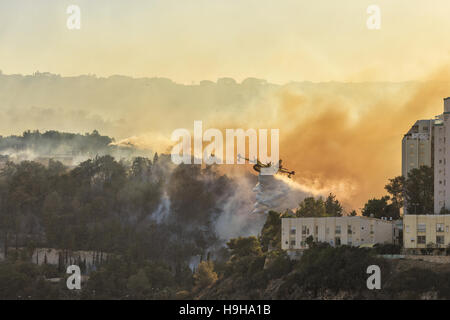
column 52, row 143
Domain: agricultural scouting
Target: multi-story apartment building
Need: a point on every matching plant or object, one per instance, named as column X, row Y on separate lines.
column 426, row 144
column 420, row 231
column 353, row 231
column 441, row 154
column 417, row 146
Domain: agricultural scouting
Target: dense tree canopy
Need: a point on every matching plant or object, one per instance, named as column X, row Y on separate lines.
column 110, row 206
column 380, row 208
column 415, row 191
column 419, row 191
column 311, row 207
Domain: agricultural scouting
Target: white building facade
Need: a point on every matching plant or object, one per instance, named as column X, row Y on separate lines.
column 336, row 231
column 422, row 231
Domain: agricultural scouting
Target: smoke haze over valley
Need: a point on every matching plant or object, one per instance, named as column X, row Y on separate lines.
column 214, row 149
column 321, row 124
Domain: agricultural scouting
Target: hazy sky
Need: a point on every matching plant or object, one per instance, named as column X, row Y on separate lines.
column 193, row 40
column 206, row 39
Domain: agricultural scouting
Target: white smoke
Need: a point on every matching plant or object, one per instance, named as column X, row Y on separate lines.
column 278, row 193
column 19, row 155
column 244, row 213
column 163, row 210
column 235, row 219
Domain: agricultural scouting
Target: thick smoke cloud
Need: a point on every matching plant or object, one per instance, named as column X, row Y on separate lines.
column 351, row 149
column 338, row 137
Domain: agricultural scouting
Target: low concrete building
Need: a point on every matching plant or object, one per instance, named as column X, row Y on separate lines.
column 353, row 231
column 422, row 231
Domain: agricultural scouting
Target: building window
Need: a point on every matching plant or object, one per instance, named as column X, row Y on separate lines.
column 407, row 229
column 317, row 230
column 327, row 230
column 292, row 242
column 305, row 230
column 338, row 241
column 439, row 239
column 421, row 227
column 421, row 240
column 293, row 231
column 338, row 230
column 349, row 229
column 439, row 227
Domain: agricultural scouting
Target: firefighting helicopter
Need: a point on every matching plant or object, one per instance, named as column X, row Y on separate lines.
column 258, row 165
